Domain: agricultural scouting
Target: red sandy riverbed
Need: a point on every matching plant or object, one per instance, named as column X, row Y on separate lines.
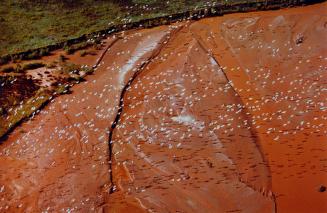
column 225, row 114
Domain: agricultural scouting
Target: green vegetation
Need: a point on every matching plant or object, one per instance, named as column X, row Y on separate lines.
column 83, row 53
column 21, row 68
column 74, row 47
column 75, row 72
column 62, row 89
column 9, row 120
column 15, row 89
column 30, row 24
column 31, row 66
column 36, row 54
column 21, row 96
column 8, row 69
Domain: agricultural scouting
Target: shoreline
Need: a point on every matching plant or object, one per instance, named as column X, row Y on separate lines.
column 214, row 11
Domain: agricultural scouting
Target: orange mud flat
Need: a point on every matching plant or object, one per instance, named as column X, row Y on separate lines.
column 225, row 114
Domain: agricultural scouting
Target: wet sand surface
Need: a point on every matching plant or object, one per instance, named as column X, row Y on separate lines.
column 225, row 114
column 59, row 159
column 277, row 64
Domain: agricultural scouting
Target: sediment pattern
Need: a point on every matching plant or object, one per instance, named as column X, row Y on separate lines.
column 224, row 114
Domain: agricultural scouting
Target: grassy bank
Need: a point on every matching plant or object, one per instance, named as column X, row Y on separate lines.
column 25, row 110
column 29, row 24
column 21, row 97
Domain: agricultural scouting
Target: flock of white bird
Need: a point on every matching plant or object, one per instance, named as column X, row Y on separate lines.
column 185, row 119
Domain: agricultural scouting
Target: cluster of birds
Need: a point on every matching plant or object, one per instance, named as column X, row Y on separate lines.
column 188, row 127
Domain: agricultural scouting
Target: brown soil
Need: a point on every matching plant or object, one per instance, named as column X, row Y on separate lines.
column 280, row 81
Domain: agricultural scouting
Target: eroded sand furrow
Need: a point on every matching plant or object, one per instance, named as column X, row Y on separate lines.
column 246, row 115
column 139, row 69
column 138, row 166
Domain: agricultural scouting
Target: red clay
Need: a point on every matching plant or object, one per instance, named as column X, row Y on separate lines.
column 226, row 114
column 280, row 81
column 59, row 159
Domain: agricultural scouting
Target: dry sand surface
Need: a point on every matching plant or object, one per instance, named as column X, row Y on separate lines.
column 225, row 114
